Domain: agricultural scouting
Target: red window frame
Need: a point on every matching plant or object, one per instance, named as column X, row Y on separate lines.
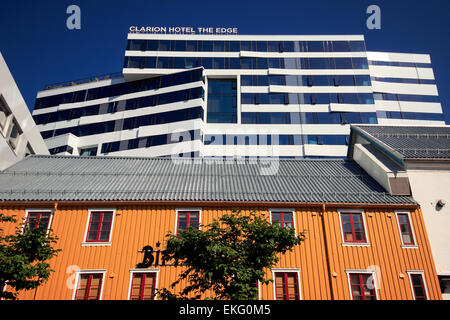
column 285, row 285
column 191, row 216
column 353, row 231
column 420, row 286
column 283, row 220
column 361, row 285
column 142, row 285
column 99, row 230
column 87, row 294
column 408, row 227
column 37, row 223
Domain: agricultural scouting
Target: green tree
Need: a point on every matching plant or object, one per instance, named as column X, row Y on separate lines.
column 23, row 259
column 228, row 256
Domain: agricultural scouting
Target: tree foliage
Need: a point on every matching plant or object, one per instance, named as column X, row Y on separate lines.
column 228, row 256
column 23, row 259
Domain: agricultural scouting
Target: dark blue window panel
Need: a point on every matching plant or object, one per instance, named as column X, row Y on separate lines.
column 222, row 101
column 341, row 46
column 234, row 46
column 315, row 46
column 178, row 63
column 411, row 115
column 219, row 46
column 47, row 134
column 191, row 45
column 261, row 46
column 110, row 147
column 163, row 63
column 207, row 46
column 269, row 118
column 130, row 104
column 288, row 46
column 357, row 46
column 253, row 139
column 60, row 149
column 400, row 64
column 180, row 45
column 140, row 45
column 164, row 45
column 150, row 62
column 362, row 80
column 152, row 45
column 130, row 123
column 120, row 89
column 369, row 117
column 327, row 139
column 274, row 63
column 149, row 141
column 338, row 117
column 404, row 80
column 360, row 63
column 307, row 98
column 406, row 97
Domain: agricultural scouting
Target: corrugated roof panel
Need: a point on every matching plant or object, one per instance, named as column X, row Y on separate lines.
column 124, row 178
column 413, row 142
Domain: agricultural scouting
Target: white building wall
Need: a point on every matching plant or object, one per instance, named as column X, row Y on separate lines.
column 12, row 98
column 428, row 187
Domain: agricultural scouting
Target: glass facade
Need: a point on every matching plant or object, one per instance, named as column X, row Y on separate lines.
column 128, row 123
column 149, row 141
column 237, row 88
column 243, row 63
column 306, row 98
column 306, row 80
column 112, row 107
column 222, row 101
column 237, row 46
column 120, row 89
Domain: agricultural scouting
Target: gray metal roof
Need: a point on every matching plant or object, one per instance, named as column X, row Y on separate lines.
column 413, row 142
column 68, row 178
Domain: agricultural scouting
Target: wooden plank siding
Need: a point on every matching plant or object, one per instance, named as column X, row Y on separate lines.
column 322, row 258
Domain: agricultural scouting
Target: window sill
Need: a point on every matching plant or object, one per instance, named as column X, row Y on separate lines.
column 96, row 244
column 355, row 244
column 405, row 246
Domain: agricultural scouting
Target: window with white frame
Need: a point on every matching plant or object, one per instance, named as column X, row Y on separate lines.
column 362, row 285
column 89, row 285
column 284, row 218
column 353, row 227
column 37, row 218
column 418, row 286
column 286, row 284
column 187, row 218
column 99, row 226
column 13, row 134
column 405, row 229
column 143, row 285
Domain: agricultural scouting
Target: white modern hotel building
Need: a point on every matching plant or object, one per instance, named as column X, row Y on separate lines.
column 216, row 95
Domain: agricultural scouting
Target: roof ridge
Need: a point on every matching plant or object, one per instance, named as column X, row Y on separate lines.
column 186, row 159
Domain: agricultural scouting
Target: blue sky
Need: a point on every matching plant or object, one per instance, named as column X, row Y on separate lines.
column 40, row 50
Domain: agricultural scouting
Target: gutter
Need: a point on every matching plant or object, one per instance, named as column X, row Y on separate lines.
column 412, row 205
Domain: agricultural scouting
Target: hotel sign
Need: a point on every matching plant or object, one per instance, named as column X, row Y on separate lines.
column 183, row 30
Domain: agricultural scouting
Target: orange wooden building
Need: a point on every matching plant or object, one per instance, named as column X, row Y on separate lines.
column 361, row 243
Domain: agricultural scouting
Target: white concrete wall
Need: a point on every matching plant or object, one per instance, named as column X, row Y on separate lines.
column 428, row 186
column 16, row 104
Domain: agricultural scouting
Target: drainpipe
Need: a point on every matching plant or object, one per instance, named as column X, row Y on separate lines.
column 327, row 254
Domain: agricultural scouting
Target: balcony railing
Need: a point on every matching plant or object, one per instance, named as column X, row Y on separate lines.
column 107, row 76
